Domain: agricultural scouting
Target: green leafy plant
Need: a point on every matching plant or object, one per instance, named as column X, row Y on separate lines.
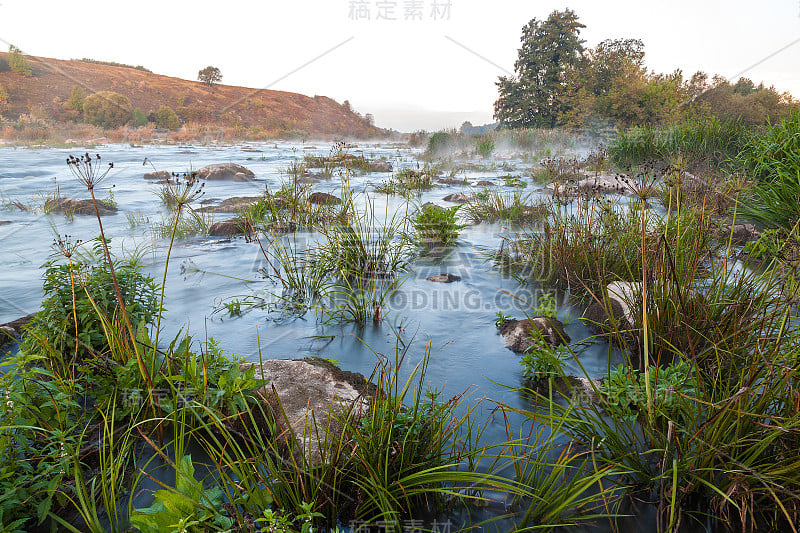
column 189, row 507
column 436, row 225
column 543, row 360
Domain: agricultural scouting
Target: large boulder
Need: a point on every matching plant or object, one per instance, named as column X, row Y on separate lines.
column 230, row 205
column 323, row 198
column 226, row 171
column 517, row 333
column 304, row 396
column 77, row 207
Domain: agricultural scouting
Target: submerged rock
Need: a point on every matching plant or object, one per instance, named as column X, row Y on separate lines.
column 4, row 222
column 459, row 198
column 226, row 171
column 77, row 207
column 450, row 181
column 517, row 332
column 484, row 183
column 443, row 278
column 323, row 198
column 230, row 205
column 229, row 228
column 309, row 392
column 158, row 175
column 381, row 165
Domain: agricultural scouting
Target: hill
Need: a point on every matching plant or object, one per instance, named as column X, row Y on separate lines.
column 44, row 94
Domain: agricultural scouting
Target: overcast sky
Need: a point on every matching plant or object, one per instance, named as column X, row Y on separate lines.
column 434, row 66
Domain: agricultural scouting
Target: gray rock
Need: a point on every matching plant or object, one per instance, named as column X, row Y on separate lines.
column 484, row 183
column 4, row 222
column 450, row 181
column 229, row 228
column 309, row 392
column 606, row 184
column 739, row 233
column 323, row 198
column 226, row 171
column 443, row 278
column 158, row 175
column 230, row 205
column 459, row 198
column 621, row 295
column 13, row 330
column 516, row 332
column 77, row 207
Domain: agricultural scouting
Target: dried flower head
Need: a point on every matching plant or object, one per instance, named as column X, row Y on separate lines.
column 88, row 170
column 64, row 245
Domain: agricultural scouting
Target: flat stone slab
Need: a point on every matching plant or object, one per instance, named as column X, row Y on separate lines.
column 443, row 278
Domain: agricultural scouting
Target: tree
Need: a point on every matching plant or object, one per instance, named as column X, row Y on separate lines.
column 166, row 118
column 76, row 99
column 17, row 61
column 107, row 109
column 210, row 75
column 538, row 95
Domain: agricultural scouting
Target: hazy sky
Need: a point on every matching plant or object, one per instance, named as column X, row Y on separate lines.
column 434, row 66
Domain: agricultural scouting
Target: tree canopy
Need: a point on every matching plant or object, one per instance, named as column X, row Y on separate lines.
column 210, row 75
column 538, row 94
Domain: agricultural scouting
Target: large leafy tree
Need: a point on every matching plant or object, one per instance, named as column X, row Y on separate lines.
column 539, row 93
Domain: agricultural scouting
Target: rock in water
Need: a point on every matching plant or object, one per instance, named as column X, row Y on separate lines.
column 226, row 171
column 158, row 175
column 230, row 205
column 517, row 332
column 229, row 228
column 323, row 198
column 307, row 391
column 77, row 207
column 443, row 278
column 621, row 295
column 459, row 198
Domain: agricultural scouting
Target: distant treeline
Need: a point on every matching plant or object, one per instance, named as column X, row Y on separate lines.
column 113, row 64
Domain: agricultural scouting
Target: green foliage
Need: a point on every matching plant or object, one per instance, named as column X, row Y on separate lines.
column 17, row 62
column 281, row 523
column 190, row 507
column 114, row 64
column 4, row 99
column 76, row 99
column 497, row 206
column 407, row 180
column 484, row 146
column 711, row 141
column 624, row 389
column 107, row 109
column 543, row 360
column 166, row 118
column 440, row 144
column 546, row 306
column 139, row 118
column 210, row 75
column 92, row 287
column 435, row 225
column 537, row 96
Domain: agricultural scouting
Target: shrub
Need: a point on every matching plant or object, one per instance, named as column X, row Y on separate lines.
column 139, row 118
column 436, row 225
column 440, row 144
column 484, row 146
column 94, row 294
column 543, row 360
column 166, row 118
column 107, row 109
column 17, row 61
column 3, row 99
column 76, row 99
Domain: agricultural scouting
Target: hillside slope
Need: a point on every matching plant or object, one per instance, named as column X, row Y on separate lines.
column 46, row 92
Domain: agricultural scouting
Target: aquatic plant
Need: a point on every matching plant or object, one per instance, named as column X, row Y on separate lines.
column 435, row 225
column 510, row 207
